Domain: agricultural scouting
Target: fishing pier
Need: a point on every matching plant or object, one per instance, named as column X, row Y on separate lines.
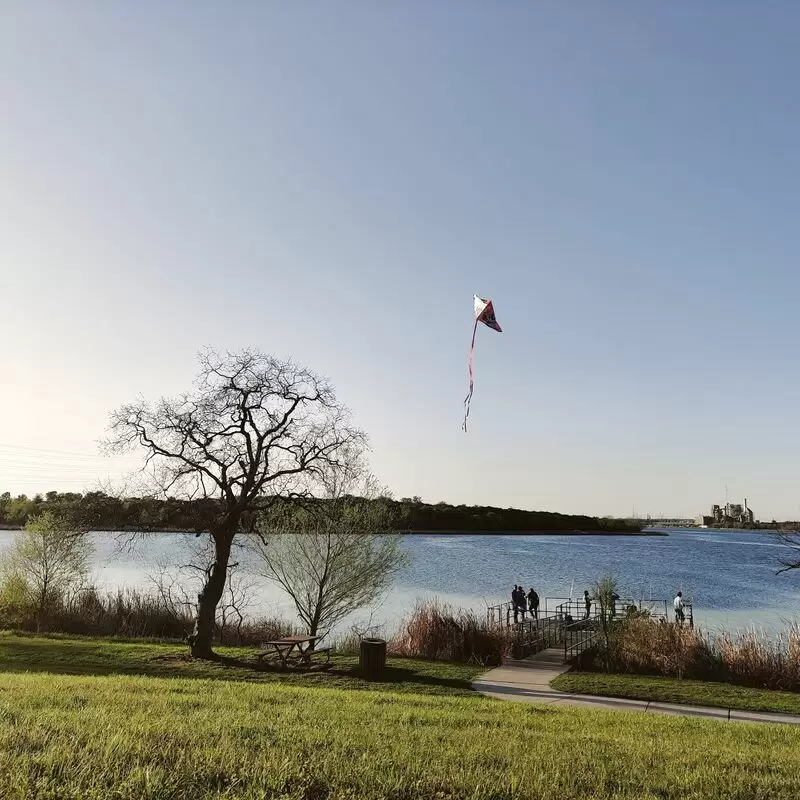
column 563, row 624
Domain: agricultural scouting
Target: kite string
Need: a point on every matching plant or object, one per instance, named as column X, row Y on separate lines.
column 468, row 398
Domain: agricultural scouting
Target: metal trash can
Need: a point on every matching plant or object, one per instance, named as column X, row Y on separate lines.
column 372, row 659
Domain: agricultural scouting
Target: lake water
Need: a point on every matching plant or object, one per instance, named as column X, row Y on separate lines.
column 730, row 575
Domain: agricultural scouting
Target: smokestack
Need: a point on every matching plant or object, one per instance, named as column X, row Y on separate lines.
column 745, row 504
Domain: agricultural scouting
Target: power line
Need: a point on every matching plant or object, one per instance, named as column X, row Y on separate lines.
column 26, row 481
column 53, row 478
column 60, row 458
column 50, row 465
column 53, row 452
column 11, row 466
column 21, row 469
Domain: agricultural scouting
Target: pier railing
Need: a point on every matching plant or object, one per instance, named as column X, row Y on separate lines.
column 688, row 614
column 502, row 614
column 579, row 637
column 657, row 609
column 534, row 635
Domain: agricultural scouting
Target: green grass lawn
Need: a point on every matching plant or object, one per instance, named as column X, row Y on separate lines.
column 90, row 720
column 673, row 690
column 88, row 656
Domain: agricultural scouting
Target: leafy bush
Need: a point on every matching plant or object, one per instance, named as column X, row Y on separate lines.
column 15, row 595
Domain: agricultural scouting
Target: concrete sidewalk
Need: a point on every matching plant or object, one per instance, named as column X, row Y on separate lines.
column 528, row 681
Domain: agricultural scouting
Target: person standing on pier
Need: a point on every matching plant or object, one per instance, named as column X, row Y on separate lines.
column 614, row 598
column 587, row 602
column 678, row 605
column 522, row 604
column 515, row 601
column 533, row 603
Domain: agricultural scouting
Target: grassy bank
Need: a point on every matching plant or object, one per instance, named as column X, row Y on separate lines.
column 675, row 690
column 204, row 732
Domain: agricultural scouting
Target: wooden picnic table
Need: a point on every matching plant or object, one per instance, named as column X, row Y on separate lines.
column 301, row 647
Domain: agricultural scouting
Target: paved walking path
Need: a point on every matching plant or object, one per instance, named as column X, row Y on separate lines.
column 528, row 681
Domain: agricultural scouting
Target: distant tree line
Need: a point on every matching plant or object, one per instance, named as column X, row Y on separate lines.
column 100, row 511
column 414, row 515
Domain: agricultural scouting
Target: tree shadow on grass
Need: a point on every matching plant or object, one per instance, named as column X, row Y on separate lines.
column 62, row 656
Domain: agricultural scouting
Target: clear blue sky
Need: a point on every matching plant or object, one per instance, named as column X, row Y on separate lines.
column 333, row 181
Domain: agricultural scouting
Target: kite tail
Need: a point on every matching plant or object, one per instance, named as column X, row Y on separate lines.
column 468, row 398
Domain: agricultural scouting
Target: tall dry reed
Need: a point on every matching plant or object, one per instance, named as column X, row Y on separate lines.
column 645, row 646
column 753, row 659
column 128, row 613
column 440, row 632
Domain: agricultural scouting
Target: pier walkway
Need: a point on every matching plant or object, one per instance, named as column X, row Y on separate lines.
column 528, row 680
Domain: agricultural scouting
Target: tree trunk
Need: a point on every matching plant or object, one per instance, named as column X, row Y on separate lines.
column 42, row 605
column 40, row 615
column 313, row 624
column 208, row 599
column 315, row 617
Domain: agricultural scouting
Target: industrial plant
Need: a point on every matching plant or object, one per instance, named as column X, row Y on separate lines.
column 731, row 515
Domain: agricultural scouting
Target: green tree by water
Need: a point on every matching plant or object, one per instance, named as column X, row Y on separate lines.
column 335, row 556
column 48, row 561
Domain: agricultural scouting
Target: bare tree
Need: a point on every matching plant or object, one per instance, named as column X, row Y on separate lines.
column 172, row 592
column 253, row 429
column 336, row 555
column 790, row 539
column 52, row 557
column 238, row 598
column 177, row 587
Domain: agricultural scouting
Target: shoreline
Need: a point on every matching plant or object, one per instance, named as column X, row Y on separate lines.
column 535, row 533
column 455, row 532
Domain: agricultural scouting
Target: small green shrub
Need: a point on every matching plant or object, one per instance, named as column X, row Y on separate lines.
column 15, row 597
